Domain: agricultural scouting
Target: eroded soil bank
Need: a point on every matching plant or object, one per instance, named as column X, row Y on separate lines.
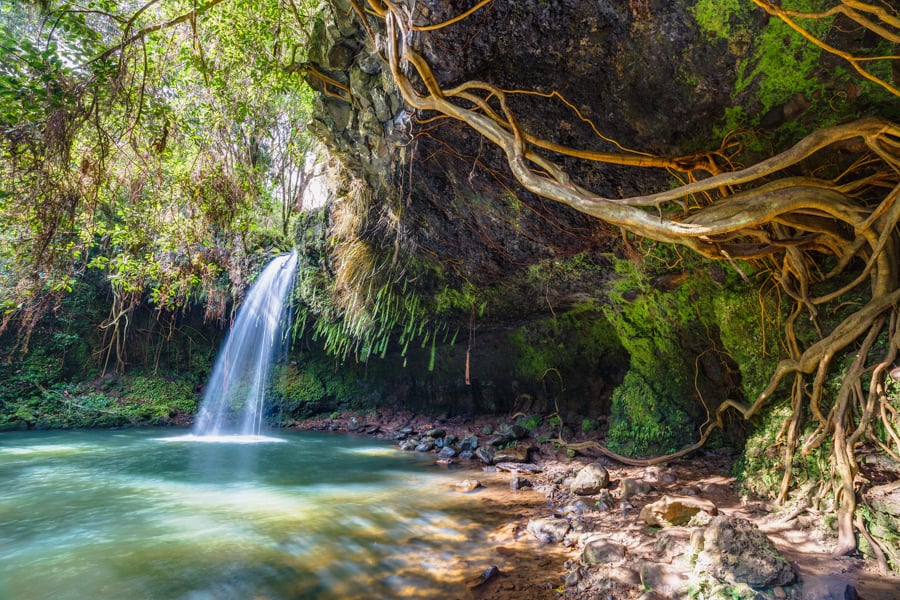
column 627, row 558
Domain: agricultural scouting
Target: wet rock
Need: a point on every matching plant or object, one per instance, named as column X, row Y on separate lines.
column 405, row 430
column 548, row 530
column 468, row 443
column 425, row 447
column 486, row 454
column 516, row 432
column 735, row 550
column 827, row 587
column 353, row 424
column 591, row 479
column 408, row 446
column 435, row 433
column 516, row 467
column 514, row 454
column 518, row 483
column 466, row 455
column 468, row 485
column 600, row 551
column 485, row 576
column 675, row 510
column 447, row 452
column 633, row 487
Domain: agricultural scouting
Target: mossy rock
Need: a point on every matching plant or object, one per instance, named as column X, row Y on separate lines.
column 643, row 423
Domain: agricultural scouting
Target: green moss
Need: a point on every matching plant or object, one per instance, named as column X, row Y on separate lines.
column 723, row 18
column 644, row 423
column 566, row 343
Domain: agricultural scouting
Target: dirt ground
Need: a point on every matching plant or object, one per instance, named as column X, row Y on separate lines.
column 526, row 569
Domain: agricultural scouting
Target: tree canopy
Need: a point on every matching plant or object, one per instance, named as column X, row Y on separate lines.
column 159, row 143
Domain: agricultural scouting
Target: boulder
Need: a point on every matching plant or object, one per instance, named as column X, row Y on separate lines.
column 548, row 530
column 600, row 551
column 484, row 577
column 517, row 482
column 675, row 510
column 468, row 443
column 591, row 479
column 633, row 487
column 447, row 452
column 736, row 551
column 514, row 454
column 425, row 447
column 516, row 467
column 486, row 454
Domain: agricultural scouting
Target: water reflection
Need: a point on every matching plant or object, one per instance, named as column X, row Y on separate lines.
column 113, row 515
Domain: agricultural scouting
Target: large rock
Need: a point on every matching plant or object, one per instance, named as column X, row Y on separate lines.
column 514, row 454
column 590, row 480
column 675, row 510
column 634, row 487
column 598, row 551
column 548, row 530
column 486, row 454
column 736, row 551
column 664, row 579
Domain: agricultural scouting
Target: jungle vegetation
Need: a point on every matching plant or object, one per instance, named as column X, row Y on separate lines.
column 161, row 146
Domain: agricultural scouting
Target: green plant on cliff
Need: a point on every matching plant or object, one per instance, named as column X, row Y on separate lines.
column 644, row 424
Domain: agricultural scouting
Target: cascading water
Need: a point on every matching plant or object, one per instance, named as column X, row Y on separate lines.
column 233, row 401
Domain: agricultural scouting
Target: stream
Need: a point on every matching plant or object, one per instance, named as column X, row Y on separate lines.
column 146, row 514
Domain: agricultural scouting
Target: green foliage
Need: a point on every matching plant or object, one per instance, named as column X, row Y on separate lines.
column 588, row 425
column 531, row 423
column 170, row 186
column 643, row 423
column 670, row 313
column 107, row 402
column 725, row 19
column 777, row 64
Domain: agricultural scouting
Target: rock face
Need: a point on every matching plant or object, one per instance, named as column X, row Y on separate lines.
column 451, row 201
column 675, row 510
column 736, row 551
column 590, row 480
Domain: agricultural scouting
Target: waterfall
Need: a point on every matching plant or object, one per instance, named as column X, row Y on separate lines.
column 233, row 400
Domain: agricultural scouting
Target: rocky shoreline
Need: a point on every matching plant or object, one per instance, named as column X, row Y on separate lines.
column 586, row 527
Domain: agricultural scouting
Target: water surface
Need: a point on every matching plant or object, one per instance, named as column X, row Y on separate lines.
column 130, row 514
